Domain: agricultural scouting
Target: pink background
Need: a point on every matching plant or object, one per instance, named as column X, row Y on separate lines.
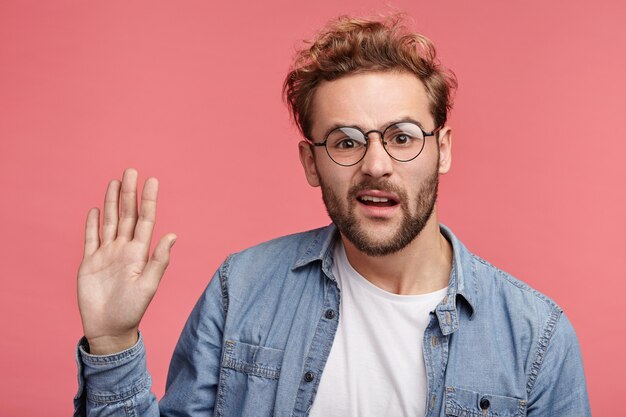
column 175, row 89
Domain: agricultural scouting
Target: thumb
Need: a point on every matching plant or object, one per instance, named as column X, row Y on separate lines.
column 155, row 268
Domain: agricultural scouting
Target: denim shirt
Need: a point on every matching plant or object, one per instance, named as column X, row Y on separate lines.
column 257, row 341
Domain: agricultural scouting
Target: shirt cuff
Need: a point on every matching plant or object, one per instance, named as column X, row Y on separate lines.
column 112, row 378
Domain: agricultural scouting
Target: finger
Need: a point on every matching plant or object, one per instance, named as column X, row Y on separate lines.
column 147, row 214
column 92, row 238
column 109, row 221
column 155, row 268
column 128, row 207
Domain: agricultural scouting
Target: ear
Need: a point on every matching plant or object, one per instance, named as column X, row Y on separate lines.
column 308, row 163
column 445, row 149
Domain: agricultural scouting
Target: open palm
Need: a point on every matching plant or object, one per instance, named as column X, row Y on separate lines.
column 117, row 278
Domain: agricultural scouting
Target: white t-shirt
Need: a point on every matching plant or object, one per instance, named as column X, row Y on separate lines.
column 376, row 363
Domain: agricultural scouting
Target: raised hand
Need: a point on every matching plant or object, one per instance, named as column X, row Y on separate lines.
column 116, row 278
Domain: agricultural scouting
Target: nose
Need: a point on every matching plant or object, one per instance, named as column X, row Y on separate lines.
column 376, row 162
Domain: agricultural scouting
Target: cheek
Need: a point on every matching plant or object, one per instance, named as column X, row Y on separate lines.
column 335, row 177
column 419, row 180
column 338, row 188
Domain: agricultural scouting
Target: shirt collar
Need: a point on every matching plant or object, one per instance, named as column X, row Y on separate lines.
column 319, row 249
column 463, row 284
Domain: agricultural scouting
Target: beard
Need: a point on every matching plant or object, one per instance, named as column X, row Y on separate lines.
column 413, row 219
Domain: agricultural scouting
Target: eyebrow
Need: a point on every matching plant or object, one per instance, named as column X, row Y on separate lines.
column 386, row 125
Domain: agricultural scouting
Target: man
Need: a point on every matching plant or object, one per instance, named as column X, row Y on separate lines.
column 384, row 312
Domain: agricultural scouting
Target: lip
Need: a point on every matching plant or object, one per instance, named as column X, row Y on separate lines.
column 380, row 212
column 379, row 194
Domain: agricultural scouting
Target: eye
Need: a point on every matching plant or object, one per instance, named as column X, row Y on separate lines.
column 346, row 143
column 401, row 139
column 346, row 139
column 403, row 135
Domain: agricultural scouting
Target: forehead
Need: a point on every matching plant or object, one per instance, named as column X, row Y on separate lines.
column 370, row 100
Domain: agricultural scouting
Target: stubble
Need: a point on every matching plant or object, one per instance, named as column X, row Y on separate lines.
column 414, row 218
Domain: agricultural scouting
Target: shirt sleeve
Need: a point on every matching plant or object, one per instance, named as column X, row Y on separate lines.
column 119, row 384
column 560, row 388
column 113, row 384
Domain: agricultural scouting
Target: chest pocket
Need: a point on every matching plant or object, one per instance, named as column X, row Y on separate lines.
column 248, row 379
column 466, row 403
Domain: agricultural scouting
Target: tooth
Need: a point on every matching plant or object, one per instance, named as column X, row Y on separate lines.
column 374, row 199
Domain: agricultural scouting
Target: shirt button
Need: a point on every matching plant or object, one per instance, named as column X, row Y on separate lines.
column 309, row 376
column 484, row 403
column 330, row 314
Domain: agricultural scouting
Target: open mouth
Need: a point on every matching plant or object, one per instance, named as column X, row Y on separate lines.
column 377, row 201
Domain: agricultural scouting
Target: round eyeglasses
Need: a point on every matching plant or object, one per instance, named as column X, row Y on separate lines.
column 347, row 145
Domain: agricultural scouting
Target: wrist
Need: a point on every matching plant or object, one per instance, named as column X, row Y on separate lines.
column 107, row 345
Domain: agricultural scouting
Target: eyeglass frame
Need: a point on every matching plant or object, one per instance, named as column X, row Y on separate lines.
column 382, row 139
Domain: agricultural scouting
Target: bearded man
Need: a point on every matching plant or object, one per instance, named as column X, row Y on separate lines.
column 383, row 313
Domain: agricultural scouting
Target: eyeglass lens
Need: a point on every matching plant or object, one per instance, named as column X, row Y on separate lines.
column 402, row 141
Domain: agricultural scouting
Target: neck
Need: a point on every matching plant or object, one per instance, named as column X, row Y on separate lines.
column 421, row 267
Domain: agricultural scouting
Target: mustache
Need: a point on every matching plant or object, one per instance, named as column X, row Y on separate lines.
column 371, row 184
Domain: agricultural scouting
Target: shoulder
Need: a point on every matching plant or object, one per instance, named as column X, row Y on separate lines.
column 526, row 311
column 495, row 283
column 283, row 248
column 493, row 291
column 269, row 265
column 510, row 304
